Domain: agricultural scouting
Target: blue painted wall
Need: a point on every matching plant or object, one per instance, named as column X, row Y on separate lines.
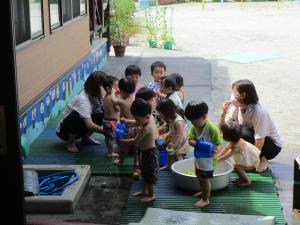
column 46, row 110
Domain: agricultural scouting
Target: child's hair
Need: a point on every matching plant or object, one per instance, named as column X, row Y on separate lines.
column 231, row 131
column 169, row 82
column 178, row 79
column 127, row 85
column 247, row 88
column 167, row 108
column 145, row 93
column 158, row 64
column 92, row 85
column 131, row 70
column 108, row 81
column 195, row 110
column 141, row 108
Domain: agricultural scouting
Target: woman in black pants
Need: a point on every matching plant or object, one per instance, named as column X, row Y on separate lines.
column 79, row 119
column 258, row 127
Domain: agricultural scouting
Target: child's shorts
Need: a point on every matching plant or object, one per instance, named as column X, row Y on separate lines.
column 130, row 132
column 205, row 174
column 108, row 126
column 150, row 165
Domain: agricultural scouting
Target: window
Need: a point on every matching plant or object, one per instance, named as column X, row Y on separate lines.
column 55, row 16
column 76, row 8
column 66, row 10
column 36, row 18
column 82, row 7
column 62, row 11
column 28, row 19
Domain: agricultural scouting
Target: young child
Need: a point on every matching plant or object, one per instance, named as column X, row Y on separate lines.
column 111, row 113
column 168, row 87
column 179, row 85
column 127, row 87
column 158, row 69
column 134, row 72
column 177, row 141
column 203, row 129
column 245, row 155
column 145, row 139
column 148, row 95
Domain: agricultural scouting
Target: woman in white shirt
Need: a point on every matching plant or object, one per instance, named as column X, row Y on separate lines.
column 76, row 120
column 258, row 127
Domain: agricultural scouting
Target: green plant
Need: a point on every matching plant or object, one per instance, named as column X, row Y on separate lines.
column 166, row 37
column 121, row 22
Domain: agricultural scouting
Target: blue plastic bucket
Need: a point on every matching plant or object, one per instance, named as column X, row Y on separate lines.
column 163, row 158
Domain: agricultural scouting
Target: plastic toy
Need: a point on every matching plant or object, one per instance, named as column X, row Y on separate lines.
column 190, row 173
column 119, row 131
column 203, row 149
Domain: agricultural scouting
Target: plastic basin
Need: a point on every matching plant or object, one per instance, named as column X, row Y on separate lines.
column 190, row 182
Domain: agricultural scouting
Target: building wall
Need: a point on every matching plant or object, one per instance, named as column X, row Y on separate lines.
column 42, row 62
column 45, row 110
column 51, row 71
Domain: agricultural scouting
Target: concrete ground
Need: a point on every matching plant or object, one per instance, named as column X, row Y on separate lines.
column 259, row 27
column 202, row 37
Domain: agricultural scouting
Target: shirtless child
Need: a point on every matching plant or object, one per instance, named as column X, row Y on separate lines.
column 145, row 139
column 111, row 113
column 127, row 88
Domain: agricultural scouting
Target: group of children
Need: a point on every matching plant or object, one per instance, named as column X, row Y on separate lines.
column 155, row 112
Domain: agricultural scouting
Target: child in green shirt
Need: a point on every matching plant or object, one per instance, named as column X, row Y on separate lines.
column 204, row 130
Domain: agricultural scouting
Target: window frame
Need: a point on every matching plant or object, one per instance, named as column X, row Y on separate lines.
column 59, row 24
column 32, row 37
column 41, row 33
column 82, row 13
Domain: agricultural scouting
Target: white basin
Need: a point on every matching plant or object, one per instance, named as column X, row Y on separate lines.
column 190, row 181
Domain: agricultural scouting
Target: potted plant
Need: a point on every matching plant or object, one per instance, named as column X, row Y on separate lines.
column 151, row 37
column 167, row 40
column 121, row 24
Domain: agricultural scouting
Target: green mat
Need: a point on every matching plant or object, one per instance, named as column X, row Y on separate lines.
column 260, row 198
column 49, row 149
column 165, row 216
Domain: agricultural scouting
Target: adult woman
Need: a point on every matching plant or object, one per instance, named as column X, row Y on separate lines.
column 78, row 119
column 258, row 127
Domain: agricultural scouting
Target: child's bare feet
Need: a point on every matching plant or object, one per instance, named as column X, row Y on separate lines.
column 72, row 148
column 243, row 183
column 198, row 194
column 201, row 203
column 148, row 199
column 263, row 165
column 90, row 141
column 112, row 154
column 140, row 193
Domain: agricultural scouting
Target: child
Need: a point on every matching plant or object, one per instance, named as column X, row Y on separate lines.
column 168, row 87
column 111, row 113
column 245, row 155
column 97, row 102
column 158, row 69
column 179, row 85
column 145, row 139
column 148, row 95
column 203, row 129
column 127, row 87
column 134, row 72
column 177, row 141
